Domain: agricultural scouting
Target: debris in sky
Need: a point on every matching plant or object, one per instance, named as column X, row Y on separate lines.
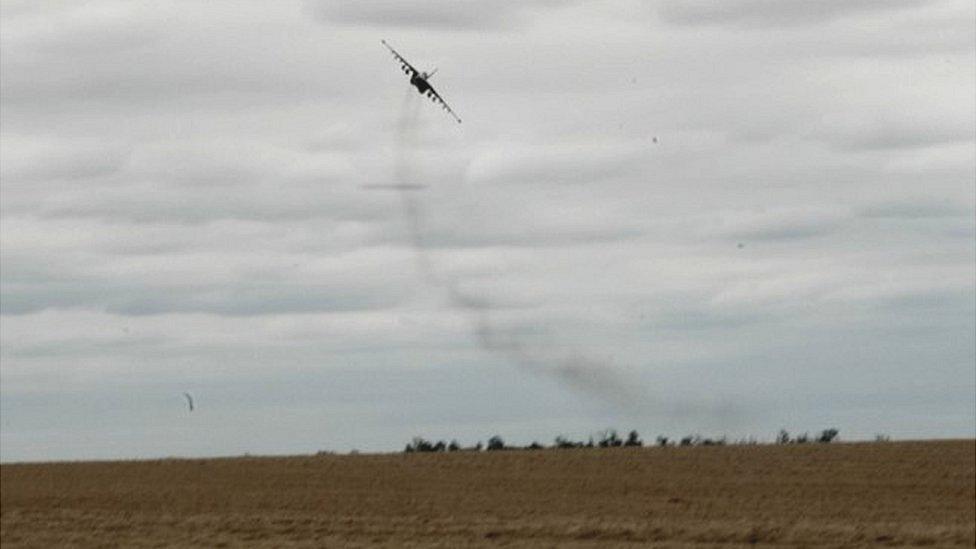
column 189, row 400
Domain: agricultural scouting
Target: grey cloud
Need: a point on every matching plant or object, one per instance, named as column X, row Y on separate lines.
column 199, row 182
column 525, row 226
column 271, row 201
column 89, row 28
column 772, row 13
column 860, row 131
column 118, row 54
column 919, row 208
column 244, row 297
column 241, row 163
column 558, row 163
column 52, row 160
column 778, row 224
column 431, row 15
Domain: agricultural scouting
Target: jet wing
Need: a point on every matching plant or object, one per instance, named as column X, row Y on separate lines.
column 407, row 67
column 436, row 97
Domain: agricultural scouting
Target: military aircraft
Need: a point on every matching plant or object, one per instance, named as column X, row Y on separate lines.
column 420, row 81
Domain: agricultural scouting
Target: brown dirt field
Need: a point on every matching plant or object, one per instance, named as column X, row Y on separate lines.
column 901, row 493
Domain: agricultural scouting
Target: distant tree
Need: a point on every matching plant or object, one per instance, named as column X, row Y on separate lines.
column 453, row 446
column 633, row 439
column 564, row 443
column 783, row 437
column 534, row 446
column 687, row 441
column 609, row 439
column 439, row 447
column 881, row 437
column 479, row 447
column 496, row 443
column 802, row 439
column 419, row 444
column 662, row 440
column 828, row 435
column 589, row 443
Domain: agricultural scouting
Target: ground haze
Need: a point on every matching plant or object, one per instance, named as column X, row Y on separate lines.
column 904, row 493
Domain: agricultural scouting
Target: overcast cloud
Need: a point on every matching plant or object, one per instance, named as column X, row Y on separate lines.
column 752, row 214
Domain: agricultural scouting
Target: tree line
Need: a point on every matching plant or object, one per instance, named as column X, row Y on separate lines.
column 610, row 439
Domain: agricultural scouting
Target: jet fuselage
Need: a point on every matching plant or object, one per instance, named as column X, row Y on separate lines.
column 420, row 83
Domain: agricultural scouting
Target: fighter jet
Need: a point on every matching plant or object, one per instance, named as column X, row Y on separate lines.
column 420, row 81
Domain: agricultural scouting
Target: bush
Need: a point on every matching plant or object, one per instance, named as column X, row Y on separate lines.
column 496, row 443
column 633, row 439
column 609, row 439
column 419, row 444
column 827, row 436
column 565, row 444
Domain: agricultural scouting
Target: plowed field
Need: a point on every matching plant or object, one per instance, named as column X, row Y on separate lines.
column 903, row 493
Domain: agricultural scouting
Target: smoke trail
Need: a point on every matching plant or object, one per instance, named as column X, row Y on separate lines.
column 585, row 374
column 595, row 377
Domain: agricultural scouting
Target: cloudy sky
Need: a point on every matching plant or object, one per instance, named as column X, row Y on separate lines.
column 675, row 216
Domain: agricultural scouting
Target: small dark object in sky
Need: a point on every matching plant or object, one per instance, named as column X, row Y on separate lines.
column 189, row 400
column 420, row 81
column 740, row 245
column 654, row 139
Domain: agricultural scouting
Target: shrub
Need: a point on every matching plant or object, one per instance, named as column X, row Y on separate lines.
column 496, row 443
column 827, row 435
column 609, row 439
column 419, row 444
column 633, row 439
column 564, row 443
